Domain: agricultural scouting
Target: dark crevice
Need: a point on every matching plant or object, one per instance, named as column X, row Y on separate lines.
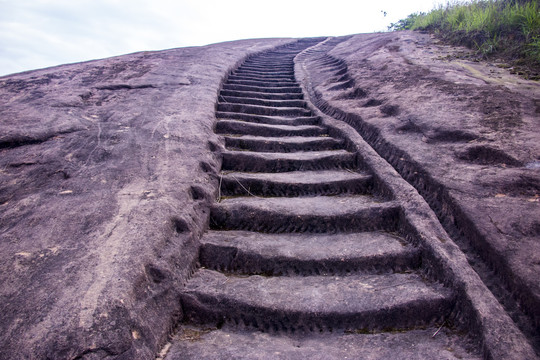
column 101, row 352
column 15, row 141
column 125, row 87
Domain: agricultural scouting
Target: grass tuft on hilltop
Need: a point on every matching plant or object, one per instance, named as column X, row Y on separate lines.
column 505, row 29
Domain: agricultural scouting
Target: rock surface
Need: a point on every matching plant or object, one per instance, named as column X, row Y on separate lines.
column 108, row 170
column 465, row 134
column 104, row 187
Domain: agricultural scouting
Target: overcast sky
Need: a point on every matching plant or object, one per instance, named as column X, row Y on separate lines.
column 41, row 33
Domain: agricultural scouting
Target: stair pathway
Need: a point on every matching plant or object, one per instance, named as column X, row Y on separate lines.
column 303, row 257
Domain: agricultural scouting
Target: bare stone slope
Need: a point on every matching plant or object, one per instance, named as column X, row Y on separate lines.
column 109, row 170
column 104, row 185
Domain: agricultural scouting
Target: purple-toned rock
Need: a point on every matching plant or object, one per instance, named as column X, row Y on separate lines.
column 105, row 178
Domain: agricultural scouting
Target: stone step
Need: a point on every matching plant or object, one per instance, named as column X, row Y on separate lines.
column 257, row 129
column 281, row 63
column 276, row 58
column 263, row 71
column 306, row 254
column 284, row 144
column 315, row 303
column 283, row 162
column 322, row 214
column 266, row 70
column 272, row 78
column 203, row 343
column 270, row 120
column 263, row 110
column 260, row 95
column 262, row 83
column 270, row 90
column 296, row 183
column 274, row 103
column 282, row 59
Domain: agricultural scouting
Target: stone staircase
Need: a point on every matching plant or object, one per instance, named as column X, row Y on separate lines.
column 304, row 256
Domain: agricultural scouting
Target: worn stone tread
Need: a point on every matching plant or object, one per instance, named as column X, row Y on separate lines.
column 318, row 205
column 258, row 72
column 302, row 177
column 261, row 95
column 277, row 89
column 283, row 144
column 248, row 128
column 315, row 302
column 264, row 68
column 254, row 101
column 283, row 162
column 295, row 183
column 263, row 110
column 283, row 62
column 419, row 344
column 268, row 119
column 306, row 254
column 269, row 78
column 320, row 214
column 263, row 83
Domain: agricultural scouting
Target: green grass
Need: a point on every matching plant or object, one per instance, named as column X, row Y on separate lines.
column 504, row 28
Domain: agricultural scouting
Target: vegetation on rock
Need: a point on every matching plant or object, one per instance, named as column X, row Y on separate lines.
column 507, row 29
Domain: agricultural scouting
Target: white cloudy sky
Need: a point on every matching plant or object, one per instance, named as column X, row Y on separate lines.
column 41, row 33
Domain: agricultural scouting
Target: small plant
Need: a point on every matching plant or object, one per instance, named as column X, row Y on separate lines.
column 534, row 48
column 405, row 24
column 488, row 46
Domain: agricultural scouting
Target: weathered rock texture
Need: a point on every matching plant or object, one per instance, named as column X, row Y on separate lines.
column 104, row 188
column 466, row 135
column 109, row 168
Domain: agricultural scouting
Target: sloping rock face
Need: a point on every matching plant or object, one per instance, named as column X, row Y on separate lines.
column 465, row 134
column 108, row 170
column 106, row 176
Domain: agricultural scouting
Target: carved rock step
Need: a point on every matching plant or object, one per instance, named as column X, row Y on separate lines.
column 278, row 76
column 264, row 83
column 283, row 144
column 323, row 214
column 285, row 78
column 271, row 120
column 265, row 69
column 277, row 58
column 256, row 129
column 194, row 343
column 271, row 90
column 280, row 64
column 263, row 110
column 262, row 102
column 274, row 60
column 264, row 72
column 260, row 95
column 315, row 303
column 295, row 183
column 283, row 162
column 286, row 63
column 306, row 254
